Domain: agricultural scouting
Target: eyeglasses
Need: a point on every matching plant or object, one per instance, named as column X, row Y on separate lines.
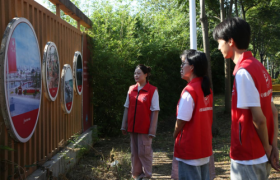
column 182, row 65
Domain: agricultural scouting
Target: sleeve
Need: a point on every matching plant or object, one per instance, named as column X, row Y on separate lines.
column 153, row 124
column 186, row 106
column 126, row 104
column 247, row 93
column 124, row 120
column 155, row 102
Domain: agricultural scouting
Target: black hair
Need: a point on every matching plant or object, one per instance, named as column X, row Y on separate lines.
column 200, row 67
column 237, row 29
column 145, row 69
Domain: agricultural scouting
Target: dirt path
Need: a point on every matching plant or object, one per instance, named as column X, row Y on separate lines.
column 96, row 163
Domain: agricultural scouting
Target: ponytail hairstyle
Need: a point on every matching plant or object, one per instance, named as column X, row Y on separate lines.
column 200, row 67
column 145, row 69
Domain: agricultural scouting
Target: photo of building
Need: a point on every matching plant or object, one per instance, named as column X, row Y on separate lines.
column 23, row 72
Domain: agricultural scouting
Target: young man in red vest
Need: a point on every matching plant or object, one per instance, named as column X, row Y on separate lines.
column 254, row 127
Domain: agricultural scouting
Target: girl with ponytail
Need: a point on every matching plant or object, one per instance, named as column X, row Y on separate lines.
column 193, row 128
column 140, row 120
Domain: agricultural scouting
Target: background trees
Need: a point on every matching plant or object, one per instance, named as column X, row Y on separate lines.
column 154, row 32
column 155, row 36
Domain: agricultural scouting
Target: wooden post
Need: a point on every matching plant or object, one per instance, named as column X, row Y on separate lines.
column 78, row 25
column 58, row 10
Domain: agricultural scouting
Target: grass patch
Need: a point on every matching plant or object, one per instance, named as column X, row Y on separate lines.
column 96, row 162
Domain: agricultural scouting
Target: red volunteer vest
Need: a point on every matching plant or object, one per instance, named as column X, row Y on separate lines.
column 139, row 112
column 245, row 142
column 195, row 140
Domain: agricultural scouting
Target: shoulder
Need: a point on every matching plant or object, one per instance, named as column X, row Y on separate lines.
column 243, row 74
column 191, row 87
column 132, row 87
column 191, row 91
column 152, row 88
column 187, row 95
column 250, row 63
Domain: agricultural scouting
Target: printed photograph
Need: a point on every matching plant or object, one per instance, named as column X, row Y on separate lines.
column 23, row 72
column 52, row 70
column 79, row 73
column 68, row 88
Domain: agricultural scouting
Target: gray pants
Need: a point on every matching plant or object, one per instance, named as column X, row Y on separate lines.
column 141, row 155
column 188, row 172
column 175, row 164
column 249, row 172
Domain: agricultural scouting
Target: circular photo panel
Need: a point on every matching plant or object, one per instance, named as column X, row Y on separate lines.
column 78, row 72
column 20, row 89
column 51, row 71
column 67, row 93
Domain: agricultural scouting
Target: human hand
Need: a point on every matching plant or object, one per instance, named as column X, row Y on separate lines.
column 274, row 158
column 151, row 137
column 124, row 132
column 268, row 151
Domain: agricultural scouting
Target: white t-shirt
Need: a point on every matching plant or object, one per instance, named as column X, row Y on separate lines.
column 247, row 96
column 154, row 103
column 185, row 111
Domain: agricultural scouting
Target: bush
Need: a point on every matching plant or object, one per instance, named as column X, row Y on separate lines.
column 119, row 42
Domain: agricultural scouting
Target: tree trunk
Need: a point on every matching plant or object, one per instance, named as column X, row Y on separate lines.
column 230, row 8
column 227, row 69
column 222, row 10
column 206, row 47
column 272, row 70
column 236, row 9
column 243, row 11
column 227, row 86
column 254, row 45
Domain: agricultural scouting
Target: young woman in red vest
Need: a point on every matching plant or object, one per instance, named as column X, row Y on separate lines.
column 193, row 128
column 140, row 120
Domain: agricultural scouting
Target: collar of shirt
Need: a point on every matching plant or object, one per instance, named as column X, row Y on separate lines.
column 244, row 56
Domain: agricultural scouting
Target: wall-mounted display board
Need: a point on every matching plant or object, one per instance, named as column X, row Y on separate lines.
column 78, row 72
column 67, row 92
column 20, row 79
column 51, row 71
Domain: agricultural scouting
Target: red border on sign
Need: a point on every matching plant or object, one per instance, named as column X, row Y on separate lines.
column 68, row 106
column 53, row 91
column 24, row 123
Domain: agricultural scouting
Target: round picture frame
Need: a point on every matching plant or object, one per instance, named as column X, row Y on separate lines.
column 78, row 72
column 51, row 71
column 67, row 89
column 21, row 82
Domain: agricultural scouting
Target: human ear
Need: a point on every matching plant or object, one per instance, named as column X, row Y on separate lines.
column 231, row 42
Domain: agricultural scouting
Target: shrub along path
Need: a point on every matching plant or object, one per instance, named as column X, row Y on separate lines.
column 97, row 162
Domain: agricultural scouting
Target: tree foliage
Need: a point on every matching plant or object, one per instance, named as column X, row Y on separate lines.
column 154, row 32
column 120, row 41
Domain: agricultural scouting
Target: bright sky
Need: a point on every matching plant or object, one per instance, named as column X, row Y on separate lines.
column 134, row 3
column 42, row 3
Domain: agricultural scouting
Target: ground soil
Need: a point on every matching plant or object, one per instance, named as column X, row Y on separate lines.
column 96, row 164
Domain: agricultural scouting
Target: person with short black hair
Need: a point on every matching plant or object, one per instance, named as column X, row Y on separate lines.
column 193, row 128
column 254, row 127
column 140, row 120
